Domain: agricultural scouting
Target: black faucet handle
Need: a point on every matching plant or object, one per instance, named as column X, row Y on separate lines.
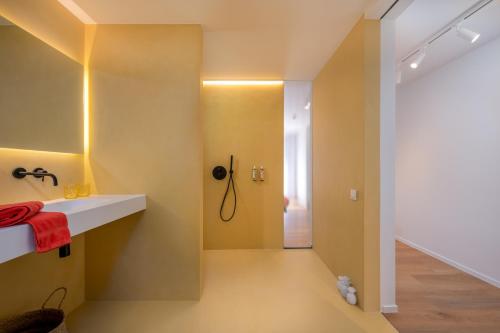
column 20, row 173
column 38, row 171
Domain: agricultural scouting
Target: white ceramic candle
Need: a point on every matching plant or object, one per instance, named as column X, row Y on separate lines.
column 351, row 296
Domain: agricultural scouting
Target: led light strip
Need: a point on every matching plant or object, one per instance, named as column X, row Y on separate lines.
column 32, row 151
column 77, row 11
column 241, row 83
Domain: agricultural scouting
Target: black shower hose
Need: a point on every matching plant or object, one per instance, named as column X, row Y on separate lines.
column 230, row 183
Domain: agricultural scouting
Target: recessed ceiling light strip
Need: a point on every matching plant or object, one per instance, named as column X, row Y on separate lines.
column 439, row 35
column 242, row 82
column 478, row 9
column 410, row 55
column 455, row 23
column 77, row 11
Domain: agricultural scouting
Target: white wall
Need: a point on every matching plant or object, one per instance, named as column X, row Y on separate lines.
column 297, row 166
column 302, row 166
column 448, row 162
column 298, row 141
column 290, row 182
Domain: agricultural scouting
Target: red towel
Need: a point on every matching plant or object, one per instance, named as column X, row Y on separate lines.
column 50, row 229
column 16, row 213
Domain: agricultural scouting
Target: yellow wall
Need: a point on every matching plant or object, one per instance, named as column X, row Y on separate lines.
column 246, row 121
column 371, row 221
column 345, row 156
column 26, row 282
column 51, row 23
column 146, row 138
column 67, row 167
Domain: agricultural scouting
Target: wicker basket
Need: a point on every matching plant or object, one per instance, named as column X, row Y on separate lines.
column 45, row 320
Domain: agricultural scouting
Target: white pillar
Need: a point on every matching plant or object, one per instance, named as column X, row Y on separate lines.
column 387, row 167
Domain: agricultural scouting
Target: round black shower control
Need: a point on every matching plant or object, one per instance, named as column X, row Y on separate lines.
column 219, row 172
column 19, row 173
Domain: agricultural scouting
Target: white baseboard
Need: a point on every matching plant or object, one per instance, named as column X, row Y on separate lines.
column 389, row 308
column 463, row 268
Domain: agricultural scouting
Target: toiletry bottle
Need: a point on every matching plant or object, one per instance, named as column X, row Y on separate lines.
column 254, row 173
column 261, row 173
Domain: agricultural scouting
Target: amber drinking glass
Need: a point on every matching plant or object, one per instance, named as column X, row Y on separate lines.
column 70, row 191
column 83, row 190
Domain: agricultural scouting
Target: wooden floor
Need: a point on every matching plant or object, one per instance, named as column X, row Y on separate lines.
column 298, row 227
column 435, row 297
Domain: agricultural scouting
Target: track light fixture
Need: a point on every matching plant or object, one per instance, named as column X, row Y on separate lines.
column 418, row 59
column 417, row 55
column 467, row 34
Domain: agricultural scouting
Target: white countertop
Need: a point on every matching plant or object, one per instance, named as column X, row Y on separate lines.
column 83, row 214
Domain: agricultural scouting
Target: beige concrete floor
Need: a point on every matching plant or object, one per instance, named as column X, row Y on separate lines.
column 244, row 291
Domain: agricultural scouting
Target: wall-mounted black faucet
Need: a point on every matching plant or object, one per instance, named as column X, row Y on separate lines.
column 37, row 173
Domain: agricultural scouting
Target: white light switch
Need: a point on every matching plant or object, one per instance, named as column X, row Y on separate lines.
column 354, row 194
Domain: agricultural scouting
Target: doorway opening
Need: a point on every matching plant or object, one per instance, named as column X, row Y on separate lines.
column 439, row 101
column 297, row 165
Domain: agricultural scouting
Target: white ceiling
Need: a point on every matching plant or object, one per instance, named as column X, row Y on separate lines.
column 247, row 39
column 423, row 18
